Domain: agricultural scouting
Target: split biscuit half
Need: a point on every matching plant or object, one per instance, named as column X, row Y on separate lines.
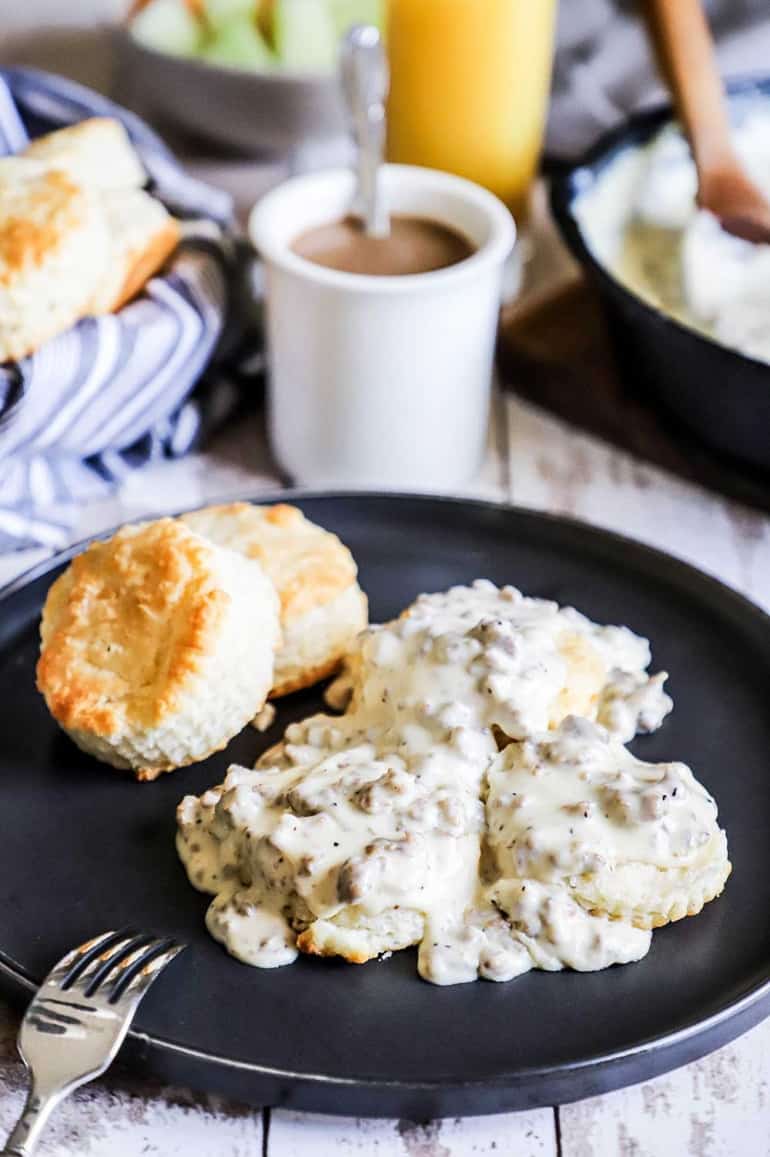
column 322, row 606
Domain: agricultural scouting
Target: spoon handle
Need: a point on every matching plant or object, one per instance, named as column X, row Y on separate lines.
column 687, row 54
column 365, row 80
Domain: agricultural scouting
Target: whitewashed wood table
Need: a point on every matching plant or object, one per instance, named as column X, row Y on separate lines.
column 717, row 1107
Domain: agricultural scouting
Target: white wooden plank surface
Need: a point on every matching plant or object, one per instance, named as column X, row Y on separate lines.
column 553, row 467
column 719, row 1107
column 521, row 1134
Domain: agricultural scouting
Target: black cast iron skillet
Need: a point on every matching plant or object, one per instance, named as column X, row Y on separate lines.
column 719, row 394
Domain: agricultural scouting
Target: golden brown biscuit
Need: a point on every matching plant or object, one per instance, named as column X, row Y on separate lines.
column 96, row 153
column 358, row 937
column 322, row 606
column 78, row 235
column 143, row 235
column 157, row 647
column 53, row 252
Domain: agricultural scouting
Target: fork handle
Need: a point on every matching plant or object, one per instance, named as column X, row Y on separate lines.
column 37, row 1109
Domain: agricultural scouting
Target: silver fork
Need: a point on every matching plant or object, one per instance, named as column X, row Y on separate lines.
column 78, row 1019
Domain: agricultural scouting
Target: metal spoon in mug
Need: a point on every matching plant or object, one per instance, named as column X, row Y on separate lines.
column 365, row 80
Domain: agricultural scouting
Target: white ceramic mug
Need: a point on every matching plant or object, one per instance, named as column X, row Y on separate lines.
column 381, row 381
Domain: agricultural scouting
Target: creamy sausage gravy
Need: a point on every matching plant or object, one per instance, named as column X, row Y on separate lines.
column 398, row 822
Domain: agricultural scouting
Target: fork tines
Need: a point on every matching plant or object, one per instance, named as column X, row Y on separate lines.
column 114, row 964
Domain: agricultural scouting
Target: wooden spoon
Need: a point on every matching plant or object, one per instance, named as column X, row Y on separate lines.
column 687, row 50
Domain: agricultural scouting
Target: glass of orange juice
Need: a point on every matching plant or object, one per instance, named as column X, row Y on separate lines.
column 469, row 88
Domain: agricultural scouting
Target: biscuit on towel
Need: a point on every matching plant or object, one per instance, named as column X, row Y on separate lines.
column 96, row 153
column 143, row 234
column 322, row 606
column 54, row 250
column 157, row 647
column 78, row 234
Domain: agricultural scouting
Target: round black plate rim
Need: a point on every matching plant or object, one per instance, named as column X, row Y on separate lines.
column 699, row 1027
column 748, row 1008
column 674, row 565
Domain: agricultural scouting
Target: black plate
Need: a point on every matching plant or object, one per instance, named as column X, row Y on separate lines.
column 717, row 393
column 84, row 849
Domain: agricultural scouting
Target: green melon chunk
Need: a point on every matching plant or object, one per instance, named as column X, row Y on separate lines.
column 305, row 36
column 168, row 26
column 238, row 44
column 218, row 13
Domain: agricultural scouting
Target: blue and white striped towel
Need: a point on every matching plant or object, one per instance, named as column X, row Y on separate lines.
column 114, row 392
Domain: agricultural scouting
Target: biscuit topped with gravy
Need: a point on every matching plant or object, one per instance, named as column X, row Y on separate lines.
column 157, row 647
column 626, row 839
column 322, row 606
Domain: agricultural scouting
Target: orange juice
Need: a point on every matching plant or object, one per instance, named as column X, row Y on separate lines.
column 469, row 88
